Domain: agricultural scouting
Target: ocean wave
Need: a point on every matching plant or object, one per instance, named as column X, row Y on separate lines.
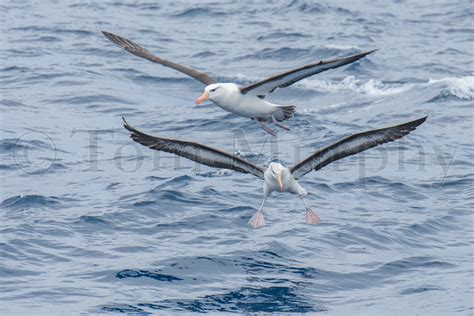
column 371, row 87
column 282, row 35
column 312, row 54
column 49, row 30
column 216, row 173
column 23, row 143
column 238, row 77
column 29, row 200
column 15, row 68
column 311, row 7
column 94, row 220
column 155, row 79
column 124, row 309
column 205, row 54
column 418, row 290
column 264, row 299
column 412, row 263
column 89, row 100
column 43, row 39
column 303, row 7
column 8, row 167
column 283, row 53
column 129, row 273
column 155, row 178
column 461, row 88
column 341, row 47
column 198, row 12
column 283, row 294
column 50, row 166
column 137, row 4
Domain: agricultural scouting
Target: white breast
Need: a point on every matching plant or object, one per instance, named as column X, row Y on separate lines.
column 290, row 184
column 245, row 105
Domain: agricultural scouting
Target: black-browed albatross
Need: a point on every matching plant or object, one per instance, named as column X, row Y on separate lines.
column 277, row 177
column 247, row 101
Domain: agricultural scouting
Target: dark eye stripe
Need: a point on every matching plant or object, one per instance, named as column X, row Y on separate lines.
column 214, row 89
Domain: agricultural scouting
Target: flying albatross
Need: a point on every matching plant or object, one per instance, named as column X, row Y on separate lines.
column 277, row 177
column 247, row 101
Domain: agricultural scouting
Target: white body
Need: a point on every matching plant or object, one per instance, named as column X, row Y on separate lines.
column 287, row 179
column 229, row 98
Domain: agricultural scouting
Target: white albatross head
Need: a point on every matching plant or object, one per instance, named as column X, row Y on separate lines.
column 276, row 170
column 217, row 92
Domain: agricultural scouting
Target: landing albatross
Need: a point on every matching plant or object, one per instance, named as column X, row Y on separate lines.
column 247, row 101
column 277, row 177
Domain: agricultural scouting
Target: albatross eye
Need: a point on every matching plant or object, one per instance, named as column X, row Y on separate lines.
column 212, row 90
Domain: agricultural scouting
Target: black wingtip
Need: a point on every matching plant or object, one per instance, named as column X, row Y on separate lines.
column 114, row 38
column 107, row 34
column 413, row 124
column 356, row 57
column 135, row 134
column 127, row 126
column 420, row 121
column 111, row 37
column 363, row 54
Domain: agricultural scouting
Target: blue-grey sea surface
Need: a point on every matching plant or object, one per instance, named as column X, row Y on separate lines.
column 91, row 222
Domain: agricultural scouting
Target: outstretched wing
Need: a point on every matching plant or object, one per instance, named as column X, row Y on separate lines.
column 352, row 145
column 139, row 51
column 285, row 79
column 196, row 152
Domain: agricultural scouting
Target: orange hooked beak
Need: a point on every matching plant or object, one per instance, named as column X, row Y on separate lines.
column 278, row 178
column 202, row 98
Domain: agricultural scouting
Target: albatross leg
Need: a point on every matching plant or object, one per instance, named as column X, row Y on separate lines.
column 279, row 124
column 311, row 217
column 265, row 128
column 257, row 219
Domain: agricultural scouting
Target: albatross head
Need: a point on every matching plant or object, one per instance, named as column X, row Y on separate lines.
column 216, row 92
column 276, row 171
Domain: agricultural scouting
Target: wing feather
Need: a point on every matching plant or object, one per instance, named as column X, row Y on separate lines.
column 287, row 78
column 352, row 145
column 139, row 51
column 196, row 152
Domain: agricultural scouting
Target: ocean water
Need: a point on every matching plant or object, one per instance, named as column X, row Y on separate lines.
column 92, row 223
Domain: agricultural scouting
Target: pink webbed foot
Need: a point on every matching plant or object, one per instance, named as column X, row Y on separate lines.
column 257, row 220
column 311, row 217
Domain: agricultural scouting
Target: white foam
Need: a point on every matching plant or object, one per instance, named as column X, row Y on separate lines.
column 462, row 87
column 341, row 47
column 371, row 87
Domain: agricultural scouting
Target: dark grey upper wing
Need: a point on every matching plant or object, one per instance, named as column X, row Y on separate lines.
column 352, row 145
column 139, row 51
column 285, row 79
column 194, row 151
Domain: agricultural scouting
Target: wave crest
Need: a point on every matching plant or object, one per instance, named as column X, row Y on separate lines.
column 461, row 88
column 30, row 200
column 371, row 87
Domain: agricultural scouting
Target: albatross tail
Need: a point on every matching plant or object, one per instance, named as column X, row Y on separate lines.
column 284, row 112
